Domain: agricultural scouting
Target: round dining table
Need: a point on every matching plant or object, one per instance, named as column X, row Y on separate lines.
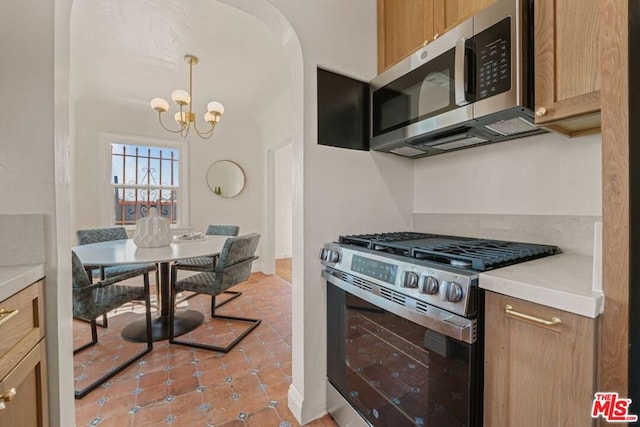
column 116, row 252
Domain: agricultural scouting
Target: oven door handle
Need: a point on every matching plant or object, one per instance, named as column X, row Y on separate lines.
column 448, row 324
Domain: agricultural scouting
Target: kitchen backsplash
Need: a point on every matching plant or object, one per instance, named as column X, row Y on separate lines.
column 573, row 234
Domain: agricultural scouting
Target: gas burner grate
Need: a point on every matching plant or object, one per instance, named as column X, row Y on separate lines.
column 373, row 241
column 462, row 252
column 482, row 254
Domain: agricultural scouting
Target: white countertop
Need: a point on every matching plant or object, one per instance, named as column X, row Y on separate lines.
column 15, row 278
column 561, row 281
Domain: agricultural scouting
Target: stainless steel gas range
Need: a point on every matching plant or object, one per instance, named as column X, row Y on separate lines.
column 404, row 326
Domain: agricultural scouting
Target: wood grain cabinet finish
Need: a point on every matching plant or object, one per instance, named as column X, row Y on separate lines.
column 405, row 26
column 23, row 373
column 449, row 13
column 567, row 71
column 539, row 365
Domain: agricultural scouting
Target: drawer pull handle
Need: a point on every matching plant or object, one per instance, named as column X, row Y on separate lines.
column 553, row 322
column 7, row 397
column 7, row 314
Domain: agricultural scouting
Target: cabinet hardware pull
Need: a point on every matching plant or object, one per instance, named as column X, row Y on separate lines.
column 541, row 111
column 553, row 322
column 7, row 314
column 7, row 397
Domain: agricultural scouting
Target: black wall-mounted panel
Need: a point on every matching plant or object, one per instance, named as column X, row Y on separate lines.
column 343, row 111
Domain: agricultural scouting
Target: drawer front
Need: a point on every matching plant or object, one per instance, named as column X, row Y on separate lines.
column 27, row 382
column 21, row 325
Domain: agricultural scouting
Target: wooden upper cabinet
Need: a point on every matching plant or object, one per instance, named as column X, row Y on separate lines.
column 449, row 13
column 567, row 76
column 403, row 27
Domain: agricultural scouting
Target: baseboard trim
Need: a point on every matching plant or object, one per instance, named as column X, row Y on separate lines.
column 295, row 400
column 283, row 255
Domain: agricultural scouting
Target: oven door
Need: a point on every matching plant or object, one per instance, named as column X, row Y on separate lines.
column 394, row 372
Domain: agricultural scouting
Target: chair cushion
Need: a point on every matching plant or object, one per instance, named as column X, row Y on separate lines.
column 116, row 270
column 203, row 283
column 198, row 264
column 105, row 299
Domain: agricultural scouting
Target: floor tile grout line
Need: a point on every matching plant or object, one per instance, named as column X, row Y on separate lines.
column 274, row 336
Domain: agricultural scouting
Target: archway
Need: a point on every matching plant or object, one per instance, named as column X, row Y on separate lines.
column 265, row 12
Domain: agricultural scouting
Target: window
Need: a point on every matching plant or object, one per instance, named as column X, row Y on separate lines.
column 142, row 173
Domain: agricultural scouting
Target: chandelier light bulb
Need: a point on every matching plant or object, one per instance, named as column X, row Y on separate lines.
column 180, row 97
column 210, row 117
column 215, row 107
column 160, row 105
column 180, row 118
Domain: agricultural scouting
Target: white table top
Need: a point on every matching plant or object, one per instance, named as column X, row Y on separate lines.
column 126, row 252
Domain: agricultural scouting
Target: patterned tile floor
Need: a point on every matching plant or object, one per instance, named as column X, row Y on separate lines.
column 182, row 386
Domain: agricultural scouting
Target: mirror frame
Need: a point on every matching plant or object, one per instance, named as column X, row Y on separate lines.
column 211, row 185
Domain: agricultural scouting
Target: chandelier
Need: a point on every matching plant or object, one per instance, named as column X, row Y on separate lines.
column 185, row 118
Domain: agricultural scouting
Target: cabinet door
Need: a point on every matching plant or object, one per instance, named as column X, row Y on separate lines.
column 29, row 406
column 21, row 325
column 403, row 27
column 449, row 13
column 567, row 71
column 537, row 374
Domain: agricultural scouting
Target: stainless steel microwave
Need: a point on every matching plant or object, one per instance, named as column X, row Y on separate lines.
column 471, row 86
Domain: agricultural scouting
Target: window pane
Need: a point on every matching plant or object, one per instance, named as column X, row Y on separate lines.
column 149, row 167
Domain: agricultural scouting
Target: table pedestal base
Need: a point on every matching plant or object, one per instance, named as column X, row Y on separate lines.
column 185, row 321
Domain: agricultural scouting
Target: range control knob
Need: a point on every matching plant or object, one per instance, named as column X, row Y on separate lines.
column 333, row 256
column 429, row 285
column 324, row 253
column 410, row 280
column 452, row 292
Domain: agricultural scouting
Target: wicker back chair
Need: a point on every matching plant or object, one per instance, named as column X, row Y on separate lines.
column 91, row 300
column 98, row 235
column 233, row 267
column 208, row 263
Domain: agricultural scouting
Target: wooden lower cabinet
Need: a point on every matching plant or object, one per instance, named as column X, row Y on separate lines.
column 28, row 407
column 23, row 367
column 537, row 374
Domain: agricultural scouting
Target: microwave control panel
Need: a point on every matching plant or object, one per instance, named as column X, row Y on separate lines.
column 492, row 49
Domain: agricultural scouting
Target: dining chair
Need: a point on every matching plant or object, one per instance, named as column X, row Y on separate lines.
column 208, row 263
column 92, row 300
column 233, row 267
column 97, row 235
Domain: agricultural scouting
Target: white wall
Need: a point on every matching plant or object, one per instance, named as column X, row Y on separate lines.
column 234, row 140
column 540, row 175
column 283, row 165
column 29, row 183
column 335, row 191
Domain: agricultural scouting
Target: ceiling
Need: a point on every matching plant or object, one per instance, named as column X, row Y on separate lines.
column 133, row 51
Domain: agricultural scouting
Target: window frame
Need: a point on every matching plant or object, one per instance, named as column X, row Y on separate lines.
column 105, row 195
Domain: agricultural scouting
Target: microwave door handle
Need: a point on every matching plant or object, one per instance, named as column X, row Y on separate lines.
column 458, row 74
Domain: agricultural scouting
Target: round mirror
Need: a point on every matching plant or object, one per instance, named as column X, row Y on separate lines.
column 225, row 178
